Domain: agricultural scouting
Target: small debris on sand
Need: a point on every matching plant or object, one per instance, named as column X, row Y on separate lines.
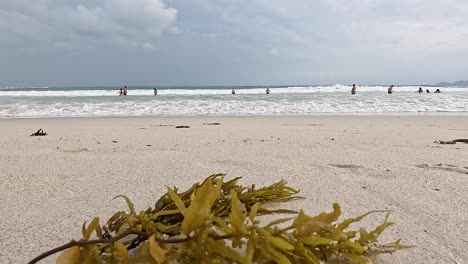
column 40, row 132
column 462, row 140
column 212, row 124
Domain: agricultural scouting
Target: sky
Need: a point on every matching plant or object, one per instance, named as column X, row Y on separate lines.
column 232, row 42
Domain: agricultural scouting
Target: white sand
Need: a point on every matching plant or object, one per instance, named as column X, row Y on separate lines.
column 50, row 185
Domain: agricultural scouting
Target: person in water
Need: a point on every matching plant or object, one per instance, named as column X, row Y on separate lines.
column 125, row 90
column 267, row 91
column 437, row 91
column 233, row 91
column 427, row 91
column 420, row 90
column 353, row 90
column 390, row 89
column 155, row 92
column 120, row 92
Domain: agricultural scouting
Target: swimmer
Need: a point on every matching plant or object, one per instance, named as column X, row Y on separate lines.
column 390, row 89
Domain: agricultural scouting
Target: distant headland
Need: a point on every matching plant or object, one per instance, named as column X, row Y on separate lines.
column 457, row 83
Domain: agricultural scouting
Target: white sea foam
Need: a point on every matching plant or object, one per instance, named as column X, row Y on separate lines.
column 283, row 106
column 17, row 103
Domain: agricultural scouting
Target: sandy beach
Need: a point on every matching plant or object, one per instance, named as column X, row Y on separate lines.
column 50, row 185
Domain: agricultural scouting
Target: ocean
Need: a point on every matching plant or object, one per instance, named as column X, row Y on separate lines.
column 48, row 102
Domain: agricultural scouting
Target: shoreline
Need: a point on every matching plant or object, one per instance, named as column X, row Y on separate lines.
column 52, row 184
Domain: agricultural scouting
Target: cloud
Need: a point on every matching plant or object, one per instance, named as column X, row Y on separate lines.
column 406, row 28
column 79, row 22
column 147, row 46
column 398, row 27
column 225, row 41
column 274, row 51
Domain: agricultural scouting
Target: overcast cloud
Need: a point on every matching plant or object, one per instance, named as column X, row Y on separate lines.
column 232, row 42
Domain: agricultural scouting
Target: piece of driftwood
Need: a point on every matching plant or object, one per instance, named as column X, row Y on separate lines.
column 182, row 127
column 461, row 140
column 40, row 132
column 212, row 124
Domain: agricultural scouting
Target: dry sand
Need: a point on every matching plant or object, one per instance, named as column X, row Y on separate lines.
column 50, row 185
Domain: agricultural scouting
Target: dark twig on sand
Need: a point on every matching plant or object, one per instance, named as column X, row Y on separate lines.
column 142, row 237
column 461, row 140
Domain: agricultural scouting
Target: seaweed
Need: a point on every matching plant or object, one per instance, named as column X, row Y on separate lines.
column 39, row 133
column 217, row 222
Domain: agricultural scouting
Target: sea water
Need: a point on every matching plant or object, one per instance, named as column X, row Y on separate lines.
column 34, row 102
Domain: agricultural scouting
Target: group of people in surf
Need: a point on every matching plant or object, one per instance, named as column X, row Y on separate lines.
column 124, row 91
column 427, row 90
column 390, row 90
column 267, row 91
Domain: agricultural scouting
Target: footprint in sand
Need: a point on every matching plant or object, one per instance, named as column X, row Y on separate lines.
column 75, row 150
column 302, row 124
column 345, row 166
